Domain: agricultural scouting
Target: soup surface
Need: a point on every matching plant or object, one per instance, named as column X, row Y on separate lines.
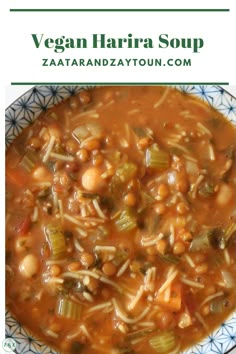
column 121, row 222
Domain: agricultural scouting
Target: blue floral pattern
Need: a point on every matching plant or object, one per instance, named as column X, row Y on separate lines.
column 22, row 113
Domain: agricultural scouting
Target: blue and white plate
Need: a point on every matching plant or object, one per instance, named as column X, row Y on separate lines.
column 23, row 112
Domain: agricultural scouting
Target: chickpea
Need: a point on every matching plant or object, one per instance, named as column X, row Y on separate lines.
column 34, row 143
column 130, row 199
column 92, row 180
column 179, row 248
column 109, row 269
column 87, row 259
column 74, row 266
column 29, row 266
column 92, row 144
column 71, row 146
column 161, row 246
column 82, row 155
column 55, row 270
column 201, row 268
column 160, row 208
column 163, row 191
column 41, row 173
column 85, row 97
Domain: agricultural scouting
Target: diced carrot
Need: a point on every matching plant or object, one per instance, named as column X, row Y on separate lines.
column 15, row 177
column 175, row 300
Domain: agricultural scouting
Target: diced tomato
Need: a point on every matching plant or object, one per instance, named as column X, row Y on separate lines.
column 23, row 225
column 189, row 303
column 175, row 301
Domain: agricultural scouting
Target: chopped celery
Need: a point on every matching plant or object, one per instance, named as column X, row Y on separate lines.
column 56, row 240
column 68, row 309
column 95, row 129
column 126, row 220
column 126, row 171
column 28, row 161
column 217, row 306
column 89, row 129
column 146, row 198
column 163, row 342
column 80, row 133
column 124, row 174
column 201, row 242
column 157, row 159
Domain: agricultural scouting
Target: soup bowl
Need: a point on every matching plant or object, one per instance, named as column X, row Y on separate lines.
column 24, row 111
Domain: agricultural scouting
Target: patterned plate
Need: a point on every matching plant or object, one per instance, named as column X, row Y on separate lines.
column 22, row 113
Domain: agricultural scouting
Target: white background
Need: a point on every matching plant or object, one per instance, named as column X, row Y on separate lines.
column 214, row 62
column 20, row 61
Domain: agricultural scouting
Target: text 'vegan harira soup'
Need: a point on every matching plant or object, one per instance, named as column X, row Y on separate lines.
column 121, row 222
